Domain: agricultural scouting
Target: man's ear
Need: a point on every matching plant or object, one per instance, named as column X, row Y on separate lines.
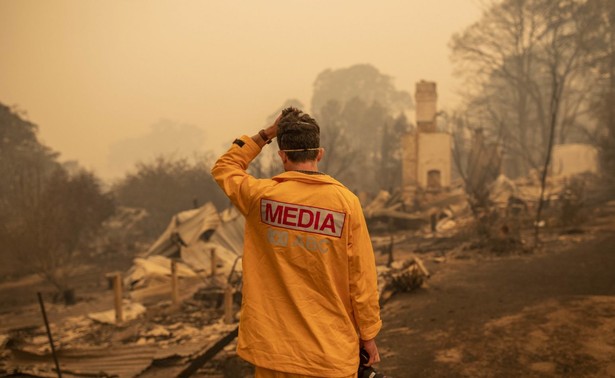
column 283, row 156
column 321, row 154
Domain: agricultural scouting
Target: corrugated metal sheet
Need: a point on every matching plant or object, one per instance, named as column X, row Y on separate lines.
column 120, row 361
column 188, row 225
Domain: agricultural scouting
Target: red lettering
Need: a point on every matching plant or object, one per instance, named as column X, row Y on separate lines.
column 288, row 217
column 302, row 218
column 328, row 223
column 310, row 217
column 271, row 216
column 317, row 220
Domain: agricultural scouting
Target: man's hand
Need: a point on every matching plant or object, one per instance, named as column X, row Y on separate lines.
column 371, row 349
column 271, row 132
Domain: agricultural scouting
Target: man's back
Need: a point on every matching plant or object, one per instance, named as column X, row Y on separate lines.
column 309, row 272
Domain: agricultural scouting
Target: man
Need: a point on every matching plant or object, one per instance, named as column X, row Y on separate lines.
column 310, row 289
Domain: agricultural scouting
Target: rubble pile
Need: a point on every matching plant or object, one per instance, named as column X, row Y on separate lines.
column 199, row 250
column 401, row 276
column 162, row 333
column 388, row 210
column 408, row 276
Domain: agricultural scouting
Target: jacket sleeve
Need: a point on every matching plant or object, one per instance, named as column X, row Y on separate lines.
column 363, row 276
column 229, row 171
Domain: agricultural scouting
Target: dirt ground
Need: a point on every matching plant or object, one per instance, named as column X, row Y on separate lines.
column 548, row 313
column 541, row 315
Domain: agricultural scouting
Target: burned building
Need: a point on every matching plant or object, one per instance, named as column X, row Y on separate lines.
column 426, row 162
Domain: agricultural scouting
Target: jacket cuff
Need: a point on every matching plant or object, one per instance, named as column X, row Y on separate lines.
column 250, row 146
column 368, row 333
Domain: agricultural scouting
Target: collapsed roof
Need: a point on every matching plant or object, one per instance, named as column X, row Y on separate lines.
column 190, row 239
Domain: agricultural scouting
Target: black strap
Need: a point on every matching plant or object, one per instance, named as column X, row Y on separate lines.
column 309, row 172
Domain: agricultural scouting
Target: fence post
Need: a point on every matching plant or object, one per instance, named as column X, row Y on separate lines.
column 117, row 288
column 228, row 304
column 174, row 283
column 213, row 262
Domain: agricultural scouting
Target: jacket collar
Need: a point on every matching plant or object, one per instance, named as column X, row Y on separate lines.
column 306, row 178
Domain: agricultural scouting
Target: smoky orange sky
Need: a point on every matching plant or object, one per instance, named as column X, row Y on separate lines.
column 94, row 74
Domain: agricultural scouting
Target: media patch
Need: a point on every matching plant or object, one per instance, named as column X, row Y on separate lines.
column 302, row 218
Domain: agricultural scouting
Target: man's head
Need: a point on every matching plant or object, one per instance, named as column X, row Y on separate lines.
column 298, row 136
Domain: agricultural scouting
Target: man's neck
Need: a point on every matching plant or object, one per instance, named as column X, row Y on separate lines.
column 302, row 166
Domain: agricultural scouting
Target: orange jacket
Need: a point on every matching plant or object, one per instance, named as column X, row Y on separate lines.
column 308, row 267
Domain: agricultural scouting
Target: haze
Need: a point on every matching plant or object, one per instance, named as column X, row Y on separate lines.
column 101, row 77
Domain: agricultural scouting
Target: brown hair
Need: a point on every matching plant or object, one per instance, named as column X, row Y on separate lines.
column 298, row 131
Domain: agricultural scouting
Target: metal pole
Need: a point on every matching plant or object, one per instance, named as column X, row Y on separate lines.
column 53, row 349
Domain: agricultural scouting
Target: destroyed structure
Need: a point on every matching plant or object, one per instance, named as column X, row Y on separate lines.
column 426, row 161
column 167, row 319
column 195, row 239
column 488, row 196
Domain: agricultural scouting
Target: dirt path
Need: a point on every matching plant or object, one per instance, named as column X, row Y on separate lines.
column 543, row 315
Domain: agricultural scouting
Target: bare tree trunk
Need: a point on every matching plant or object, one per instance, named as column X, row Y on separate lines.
column 554, row 108
column 543, row 181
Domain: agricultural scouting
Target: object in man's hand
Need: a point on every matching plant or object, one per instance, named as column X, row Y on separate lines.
column 367, row 371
